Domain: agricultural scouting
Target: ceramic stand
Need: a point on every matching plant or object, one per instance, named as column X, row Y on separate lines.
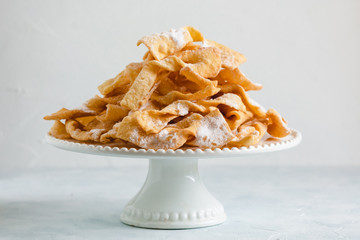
column 173, row 197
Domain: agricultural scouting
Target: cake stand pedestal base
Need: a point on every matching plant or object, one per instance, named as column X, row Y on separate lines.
column 173, row 197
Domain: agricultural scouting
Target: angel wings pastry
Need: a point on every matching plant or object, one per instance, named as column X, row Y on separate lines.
column 186, row 92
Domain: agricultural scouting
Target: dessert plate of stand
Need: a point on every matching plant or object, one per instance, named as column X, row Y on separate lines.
column 173, row 195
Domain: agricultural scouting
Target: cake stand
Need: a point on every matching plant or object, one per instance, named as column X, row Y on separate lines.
column 173, row 195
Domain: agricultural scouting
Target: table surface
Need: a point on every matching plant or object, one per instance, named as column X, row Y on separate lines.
column 261, row 202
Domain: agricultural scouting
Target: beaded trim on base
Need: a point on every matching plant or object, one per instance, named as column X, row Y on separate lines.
column 135, row 213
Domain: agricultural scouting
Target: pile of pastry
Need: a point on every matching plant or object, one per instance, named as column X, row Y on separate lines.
column 188, row 92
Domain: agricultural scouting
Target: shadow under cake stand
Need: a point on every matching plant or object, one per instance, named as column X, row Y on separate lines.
column 173, row 195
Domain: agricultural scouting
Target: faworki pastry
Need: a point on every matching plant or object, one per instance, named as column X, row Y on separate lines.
column 187, row 92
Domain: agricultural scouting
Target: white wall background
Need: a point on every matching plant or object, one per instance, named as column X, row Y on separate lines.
column 305, row 53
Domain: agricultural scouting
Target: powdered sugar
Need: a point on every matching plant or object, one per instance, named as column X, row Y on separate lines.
column 135, row 137
column 235, row 139
column 212, row 132
column 163, row 134
column 85, row 108
column 205, row 44
column 178, row 36
column 166, row 139
column 162, row 140
column 95, row 133
column 182, row 109
column 243, row 131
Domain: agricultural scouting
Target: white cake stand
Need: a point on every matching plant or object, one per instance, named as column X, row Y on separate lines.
column 173, row 195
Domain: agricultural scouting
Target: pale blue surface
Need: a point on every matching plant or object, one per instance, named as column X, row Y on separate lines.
column 261, row 203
